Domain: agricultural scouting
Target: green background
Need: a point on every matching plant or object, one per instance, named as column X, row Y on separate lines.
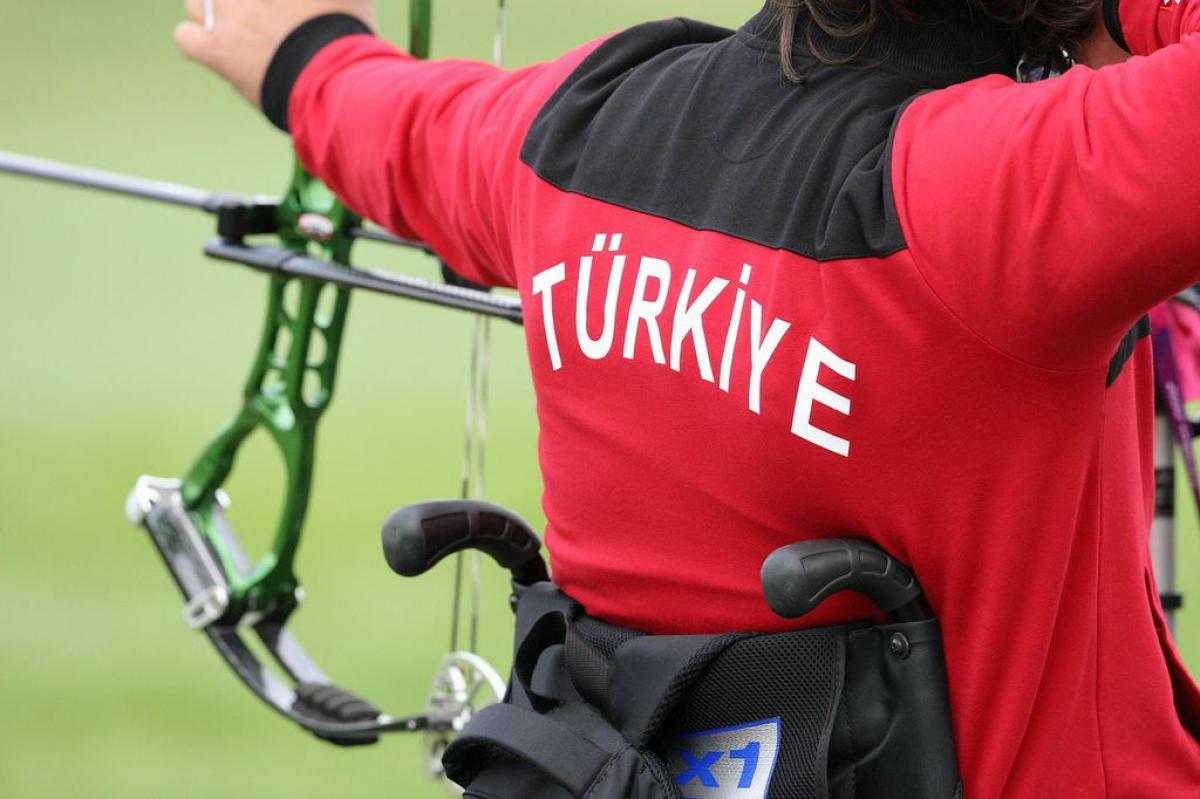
column 122, row 349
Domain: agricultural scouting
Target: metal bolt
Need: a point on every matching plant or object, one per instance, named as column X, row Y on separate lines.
column 315, row 227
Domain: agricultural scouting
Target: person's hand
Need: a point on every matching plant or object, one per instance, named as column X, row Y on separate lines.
column 246, row 34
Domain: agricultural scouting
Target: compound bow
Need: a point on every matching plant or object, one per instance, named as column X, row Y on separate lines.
column 290, row 385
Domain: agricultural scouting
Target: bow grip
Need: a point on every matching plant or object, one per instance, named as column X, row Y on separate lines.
column 798, row 577
column 416, row 537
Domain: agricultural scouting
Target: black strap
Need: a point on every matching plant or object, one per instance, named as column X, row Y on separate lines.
column 531, row 738
column 550, row 679
column 547, row 632
column 588, row 667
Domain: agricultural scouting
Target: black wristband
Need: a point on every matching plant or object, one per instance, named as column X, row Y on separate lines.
column 1112, row 22
column 300, row 46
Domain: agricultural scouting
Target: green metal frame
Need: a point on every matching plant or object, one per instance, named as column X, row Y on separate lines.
column 290, row 385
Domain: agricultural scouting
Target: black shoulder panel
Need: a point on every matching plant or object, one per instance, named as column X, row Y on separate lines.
column 696, row 124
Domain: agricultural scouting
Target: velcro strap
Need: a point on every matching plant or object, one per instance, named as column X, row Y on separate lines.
column 528, row 737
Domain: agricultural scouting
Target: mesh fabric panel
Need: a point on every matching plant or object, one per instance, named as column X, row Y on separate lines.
column 795, row 676
column 603, row 636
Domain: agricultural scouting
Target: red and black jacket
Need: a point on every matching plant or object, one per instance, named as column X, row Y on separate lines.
column 893, row 300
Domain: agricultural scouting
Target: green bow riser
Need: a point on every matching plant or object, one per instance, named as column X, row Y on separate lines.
column 290, row 385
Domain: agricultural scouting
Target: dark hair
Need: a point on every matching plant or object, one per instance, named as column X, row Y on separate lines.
column 1044, row 32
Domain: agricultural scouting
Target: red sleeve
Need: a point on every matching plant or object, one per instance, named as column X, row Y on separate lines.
column 1149, row 25
column 1049, row 217
column 428, row 149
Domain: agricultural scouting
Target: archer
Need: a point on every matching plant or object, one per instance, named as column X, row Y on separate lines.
column 982, row 247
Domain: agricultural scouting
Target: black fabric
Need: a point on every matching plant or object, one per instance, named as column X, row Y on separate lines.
column 529, row 737
column 539, row 746
column 536, row 602
column 550, row 677
column 603, row 637
column 1112, row 21
column 1125, row 349
column 587, row 666
column 293, row 56
column 508, row 779
column 649, row 676
column 857, row 718
column 627, row 775
column 546, row 634
column 725, row 144
column 796, row 677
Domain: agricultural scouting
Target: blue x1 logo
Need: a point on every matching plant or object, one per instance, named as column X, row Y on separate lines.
column 726, row 763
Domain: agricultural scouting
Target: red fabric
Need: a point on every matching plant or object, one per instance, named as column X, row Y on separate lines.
column 952, row 396
column 1149, row 25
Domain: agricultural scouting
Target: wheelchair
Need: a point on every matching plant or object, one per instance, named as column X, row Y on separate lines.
column 849, row 711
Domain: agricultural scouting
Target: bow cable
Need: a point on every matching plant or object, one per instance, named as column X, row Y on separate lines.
column 475, row 427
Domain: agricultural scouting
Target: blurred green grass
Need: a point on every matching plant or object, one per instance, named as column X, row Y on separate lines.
column 123, row 351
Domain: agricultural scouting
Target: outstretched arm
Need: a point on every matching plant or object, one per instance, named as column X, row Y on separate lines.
column 429, row 149
column 1049, row 217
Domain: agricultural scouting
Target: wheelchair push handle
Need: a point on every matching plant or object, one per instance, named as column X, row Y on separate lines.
column 417, row 537
column 798, row 577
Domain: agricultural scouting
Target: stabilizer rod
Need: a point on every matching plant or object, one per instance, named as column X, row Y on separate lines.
column 158, row 191
column 240, row 216
column 112, row 182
